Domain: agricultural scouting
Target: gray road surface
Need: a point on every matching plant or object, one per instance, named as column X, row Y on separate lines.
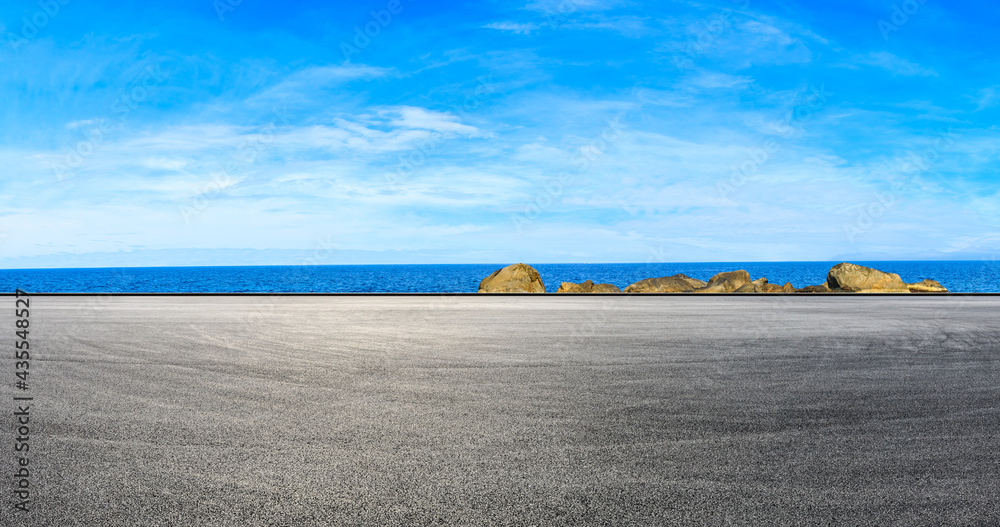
column 500, row 410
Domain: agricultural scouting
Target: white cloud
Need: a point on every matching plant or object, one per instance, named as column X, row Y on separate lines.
column 669, row 98
column 630, row 26
column 383, row 129
column 514, row 27
column 74, row 125
column 765, row 42
column 767, row 34
column 200, row 137
column 987, row 98
column 715, row 80
column 894, row 64
column 739, row 40
column 303, row 82
column 567, row 7
column 424, row 119
column 165, row 163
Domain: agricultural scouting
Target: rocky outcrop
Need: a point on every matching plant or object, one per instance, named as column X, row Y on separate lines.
column 517, row 278
column 759, row 286
column 772, row 288
column 842, row 278
column 822, row 288
column 927, row 286
column 587, row 287
column 678, row 283
column 727, row 282
column 854, row 278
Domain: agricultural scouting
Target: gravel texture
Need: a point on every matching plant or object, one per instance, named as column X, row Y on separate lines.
column 511, row 410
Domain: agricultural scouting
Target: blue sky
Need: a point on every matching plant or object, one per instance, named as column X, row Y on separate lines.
column 497, row 131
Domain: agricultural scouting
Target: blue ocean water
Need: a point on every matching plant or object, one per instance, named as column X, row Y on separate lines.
column 957, row 276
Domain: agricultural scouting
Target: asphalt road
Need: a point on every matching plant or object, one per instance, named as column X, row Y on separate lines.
column 501, row 410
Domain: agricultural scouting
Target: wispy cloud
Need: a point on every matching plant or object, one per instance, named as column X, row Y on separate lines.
column 630, row 26
column 424, row 119
column 893, row 64
column 514, row 27
column 713, row 80
column 568, row 6
column 737, row 40
column 302, row 85
column 987, row 98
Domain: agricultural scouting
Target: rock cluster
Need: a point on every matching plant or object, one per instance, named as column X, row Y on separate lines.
column 761, row 285
column 821, row 288
column 587, row 287
column 842, row 278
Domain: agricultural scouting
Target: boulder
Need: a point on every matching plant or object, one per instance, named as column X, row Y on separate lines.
column 821, row 288
column 517, row 278
column 727, row 282
column 749, row 288
column 570, row 287
column 587, row 287
column 678, row 283
column 788, row 288
column 926, row 286
column 773, row 288
column 854, row 278
column 760, row 281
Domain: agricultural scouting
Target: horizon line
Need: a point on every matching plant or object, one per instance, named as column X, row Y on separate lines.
column 483, row 263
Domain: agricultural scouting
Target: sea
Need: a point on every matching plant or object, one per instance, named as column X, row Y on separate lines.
column 980, row 276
